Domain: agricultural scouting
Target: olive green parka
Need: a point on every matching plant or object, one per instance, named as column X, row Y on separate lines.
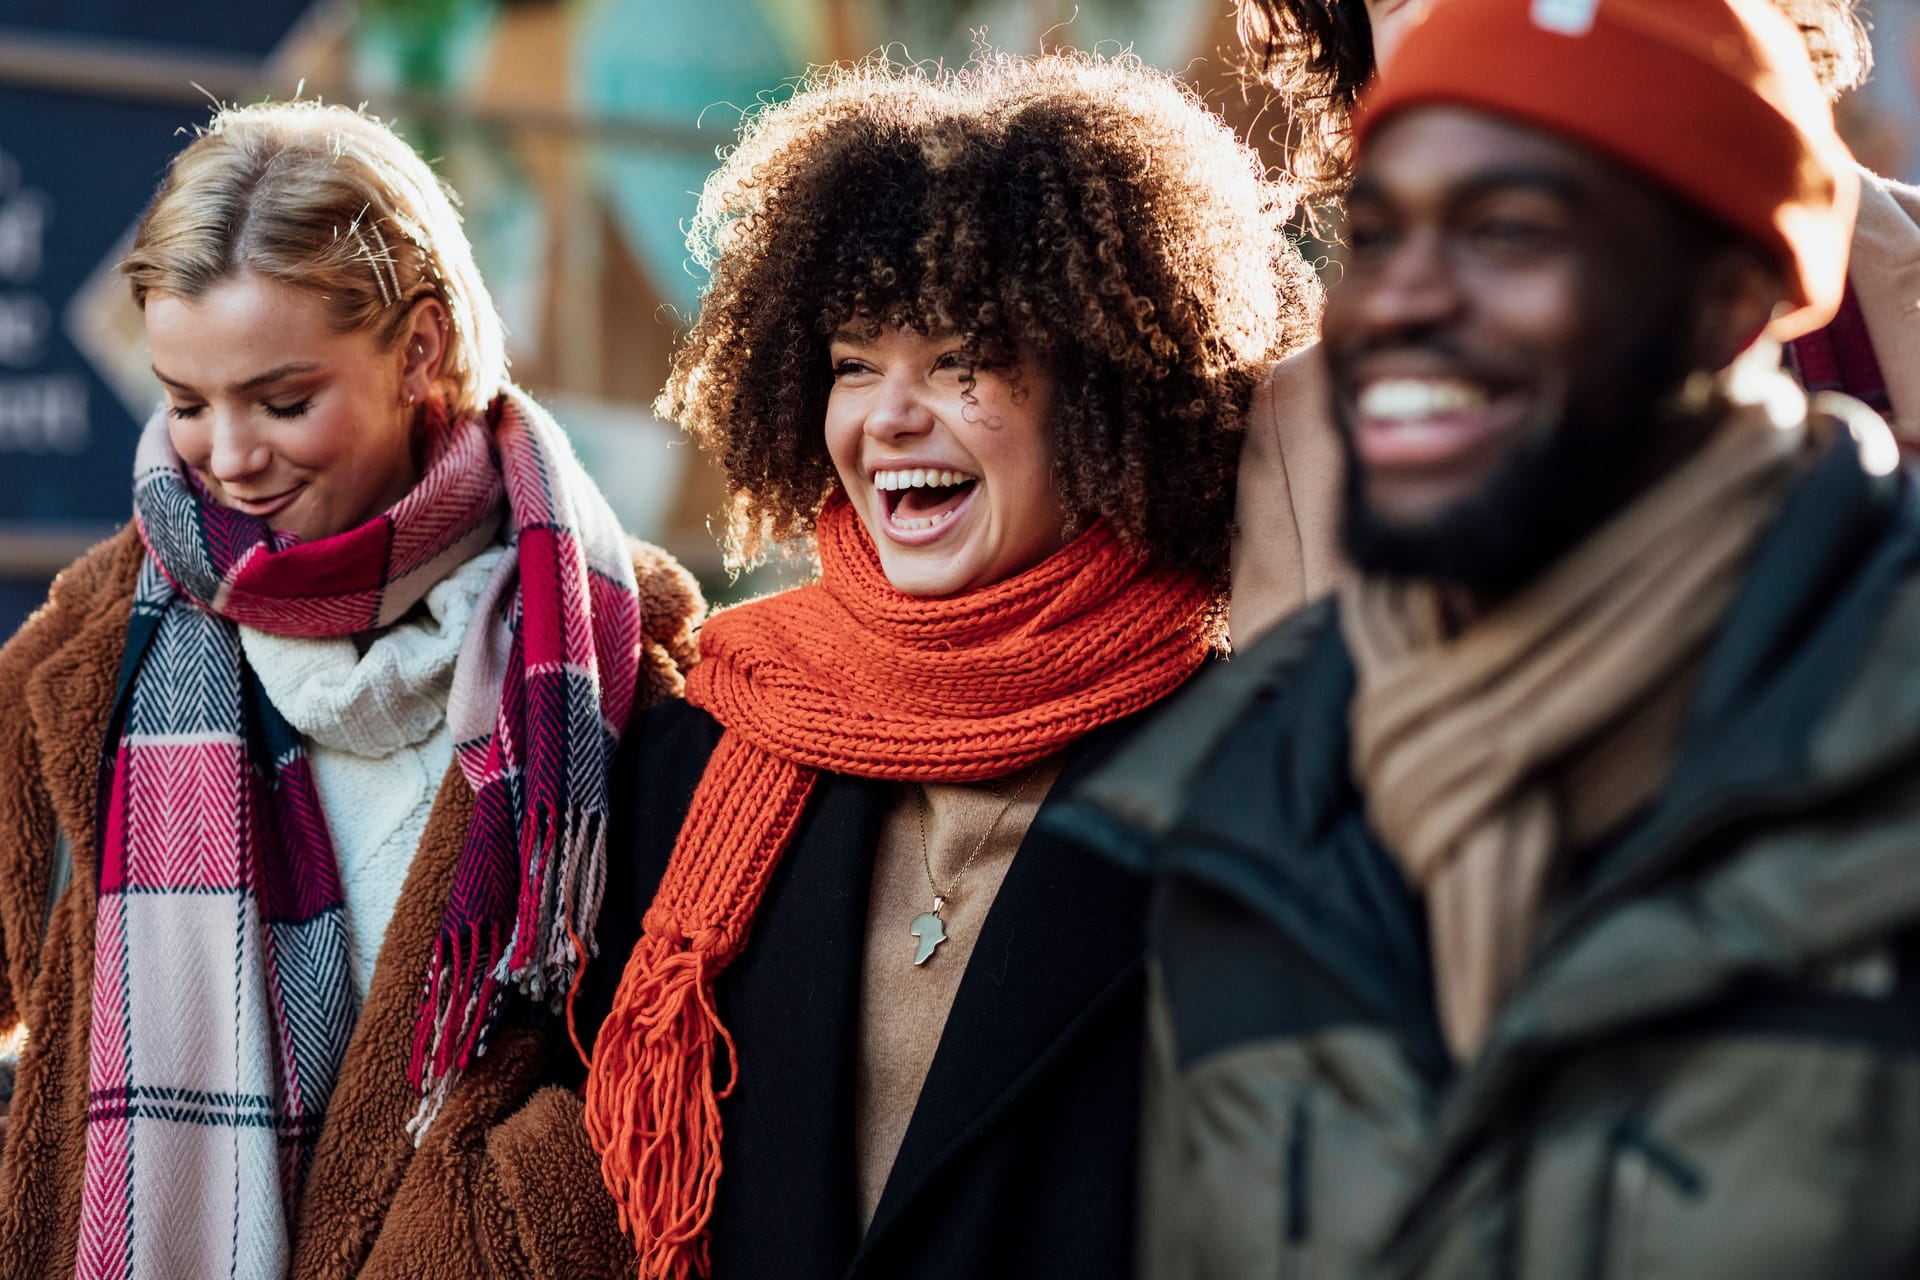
column 1711, row 1068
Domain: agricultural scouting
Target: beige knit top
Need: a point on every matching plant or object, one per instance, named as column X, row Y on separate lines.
column 903, row 1007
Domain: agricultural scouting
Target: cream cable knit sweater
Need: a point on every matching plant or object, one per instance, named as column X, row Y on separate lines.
column 375, row 725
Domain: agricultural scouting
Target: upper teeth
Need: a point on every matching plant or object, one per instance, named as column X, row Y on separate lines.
column 1418, row 397
column 920, row 478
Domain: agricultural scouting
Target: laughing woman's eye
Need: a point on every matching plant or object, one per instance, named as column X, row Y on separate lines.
column 293, row 410
column 847, row 368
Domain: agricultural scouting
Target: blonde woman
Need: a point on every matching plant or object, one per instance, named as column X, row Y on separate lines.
column 304, row 776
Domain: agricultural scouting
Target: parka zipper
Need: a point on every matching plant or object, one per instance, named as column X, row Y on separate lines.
column 1295, row 1245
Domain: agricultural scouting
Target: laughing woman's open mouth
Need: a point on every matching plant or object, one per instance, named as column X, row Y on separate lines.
column 919, row 502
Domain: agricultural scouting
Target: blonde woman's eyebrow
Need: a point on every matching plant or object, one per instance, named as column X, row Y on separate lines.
column 250, row 384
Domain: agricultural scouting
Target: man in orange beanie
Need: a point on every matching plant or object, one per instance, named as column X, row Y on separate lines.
column 1547, row 902
column 1320, row 54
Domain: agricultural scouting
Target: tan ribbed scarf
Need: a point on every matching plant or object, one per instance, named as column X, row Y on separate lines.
column 1487, row 753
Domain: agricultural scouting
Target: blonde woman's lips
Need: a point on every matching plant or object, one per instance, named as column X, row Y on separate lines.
column 263, row 507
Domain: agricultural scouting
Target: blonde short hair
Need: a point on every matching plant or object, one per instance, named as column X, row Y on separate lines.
column 330, row 201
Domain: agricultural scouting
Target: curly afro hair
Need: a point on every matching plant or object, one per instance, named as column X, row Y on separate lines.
column 1318, row 54
column 1090, row 216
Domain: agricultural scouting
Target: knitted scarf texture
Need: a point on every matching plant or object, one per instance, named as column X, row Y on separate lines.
column 1470, row 743
column 846, row 676
column 222, row 1003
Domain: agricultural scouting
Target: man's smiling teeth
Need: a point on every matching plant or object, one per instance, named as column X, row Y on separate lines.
column 1409, row 398
column 920, row 478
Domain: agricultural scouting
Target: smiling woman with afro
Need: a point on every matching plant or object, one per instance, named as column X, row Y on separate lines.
column 983, row 341
column 1090, row 212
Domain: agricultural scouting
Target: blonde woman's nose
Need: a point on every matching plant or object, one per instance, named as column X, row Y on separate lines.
column 238, row 449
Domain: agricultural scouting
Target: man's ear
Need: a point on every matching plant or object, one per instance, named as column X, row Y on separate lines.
column 1738, row 287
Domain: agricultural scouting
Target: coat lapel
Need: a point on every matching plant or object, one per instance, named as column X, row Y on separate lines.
column 1064, row 937
column 1885, row 274
column 793, row 1003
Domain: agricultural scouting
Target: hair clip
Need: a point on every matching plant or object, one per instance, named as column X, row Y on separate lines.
column 389, row 294
column 386, row 256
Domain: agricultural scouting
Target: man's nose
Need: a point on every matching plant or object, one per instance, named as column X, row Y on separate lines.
column 1415, row 288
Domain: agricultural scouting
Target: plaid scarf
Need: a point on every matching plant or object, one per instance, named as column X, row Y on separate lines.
column 222, row 1004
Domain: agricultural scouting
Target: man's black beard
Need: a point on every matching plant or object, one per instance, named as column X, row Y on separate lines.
column 1557, row 487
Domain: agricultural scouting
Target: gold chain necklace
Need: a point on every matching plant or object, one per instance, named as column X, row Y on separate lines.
column 928, row 927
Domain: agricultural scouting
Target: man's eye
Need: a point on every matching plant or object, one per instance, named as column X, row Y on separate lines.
column 1365, row 240
column 1512, row 235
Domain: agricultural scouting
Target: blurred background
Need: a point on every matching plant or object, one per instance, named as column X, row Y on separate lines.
column 576, row 132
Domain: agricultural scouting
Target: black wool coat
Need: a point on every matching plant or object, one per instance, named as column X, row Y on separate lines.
column 1020, row 1157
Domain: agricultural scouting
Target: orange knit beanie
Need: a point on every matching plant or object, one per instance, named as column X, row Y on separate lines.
column 1712, row 99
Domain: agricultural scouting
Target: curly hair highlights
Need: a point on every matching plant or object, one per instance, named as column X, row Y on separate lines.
column 1836, row 41
column 330, row 201
column 1088, row 213
column 1318, row 54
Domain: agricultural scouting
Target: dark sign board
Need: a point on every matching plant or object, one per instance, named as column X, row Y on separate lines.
column 74, row 174
column 204, row 26
column 81, row 149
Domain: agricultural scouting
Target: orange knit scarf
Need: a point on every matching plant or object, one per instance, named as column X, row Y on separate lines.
column 852, row 677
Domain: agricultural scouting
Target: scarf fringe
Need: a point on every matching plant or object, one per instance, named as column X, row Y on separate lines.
column 559, row 902
column 455, row 1014
column 559, row 907
column 660, row 1155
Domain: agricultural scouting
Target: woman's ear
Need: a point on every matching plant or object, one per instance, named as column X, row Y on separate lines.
column 423, row 351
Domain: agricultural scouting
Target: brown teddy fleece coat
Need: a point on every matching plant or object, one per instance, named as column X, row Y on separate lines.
column 482, row 1196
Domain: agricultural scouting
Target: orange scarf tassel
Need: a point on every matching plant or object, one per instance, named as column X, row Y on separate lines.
column 652, row 1107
